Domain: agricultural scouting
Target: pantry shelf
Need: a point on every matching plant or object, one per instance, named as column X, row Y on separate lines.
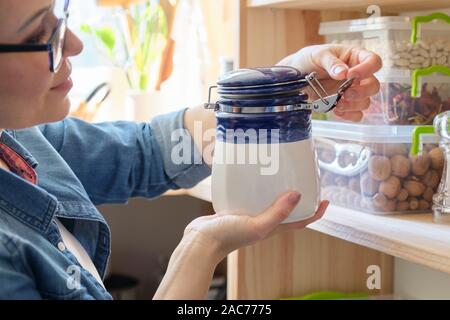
column 412, row 237
column 351, row 5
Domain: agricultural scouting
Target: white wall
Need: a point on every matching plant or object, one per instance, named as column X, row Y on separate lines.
column 413, row 281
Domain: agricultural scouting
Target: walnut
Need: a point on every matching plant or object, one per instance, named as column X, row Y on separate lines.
column 402, row 206
column 401, row 166
column 424, row 205
column 379, row 168
column 428, row 194
column 368, row 185
column 414, row 188
column 402, row 195
column 390, row 187
column 379, row 200
column 431, row 179
column 420, row 164
column 413, row 203
column 437, row 158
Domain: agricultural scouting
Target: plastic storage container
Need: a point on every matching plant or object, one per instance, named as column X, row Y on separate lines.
column 394, row 104
column 390, row 37
column 369, row 168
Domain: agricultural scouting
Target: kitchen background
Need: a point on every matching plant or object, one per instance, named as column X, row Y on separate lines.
column 205, row 35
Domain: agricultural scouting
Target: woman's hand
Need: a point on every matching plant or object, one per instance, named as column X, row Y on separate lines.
column 334, row 63
column 208, row 240
column 228, row 231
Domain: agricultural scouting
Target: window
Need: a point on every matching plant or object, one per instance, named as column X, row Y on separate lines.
column 187, row 85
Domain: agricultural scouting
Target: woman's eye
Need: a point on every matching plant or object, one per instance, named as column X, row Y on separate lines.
column 45, row 30
column 42, row 34
column 37, row 37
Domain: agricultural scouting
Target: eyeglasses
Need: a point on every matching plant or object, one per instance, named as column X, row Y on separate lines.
column 55, row 45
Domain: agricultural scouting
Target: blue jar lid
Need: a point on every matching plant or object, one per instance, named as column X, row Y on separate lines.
column 261, row 77
column 265, row 101
column 270, row 86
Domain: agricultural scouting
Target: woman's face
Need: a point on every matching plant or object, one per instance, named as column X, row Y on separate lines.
column 30, row 94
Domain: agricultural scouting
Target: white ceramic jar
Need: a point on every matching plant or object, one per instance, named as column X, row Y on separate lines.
column 264, row 146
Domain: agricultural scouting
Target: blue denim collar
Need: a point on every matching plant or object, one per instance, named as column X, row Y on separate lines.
column 7, row 137
column 21, row 199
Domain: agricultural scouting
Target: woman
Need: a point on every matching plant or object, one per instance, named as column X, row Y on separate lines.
column 54, row 244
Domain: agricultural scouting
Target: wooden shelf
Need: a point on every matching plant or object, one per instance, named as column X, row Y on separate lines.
column 413, row 237
column 352, row 5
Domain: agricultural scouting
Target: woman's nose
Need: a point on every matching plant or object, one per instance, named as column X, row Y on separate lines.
column 73, row 45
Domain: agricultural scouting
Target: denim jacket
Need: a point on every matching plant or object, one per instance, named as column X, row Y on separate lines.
column 80, row 165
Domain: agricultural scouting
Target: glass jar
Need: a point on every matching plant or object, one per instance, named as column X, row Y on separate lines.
column 441, row 200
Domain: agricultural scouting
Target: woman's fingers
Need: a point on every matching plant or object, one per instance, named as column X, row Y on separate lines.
column 302, row 224
column 357, row 99
column 336, row 68
column 365, row 64
column 356, row 62
column 366, row 88
column 352, row 106
column 276, row 213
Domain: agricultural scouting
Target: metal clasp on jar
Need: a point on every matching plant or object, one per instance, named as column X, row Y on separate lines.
column 324, row 104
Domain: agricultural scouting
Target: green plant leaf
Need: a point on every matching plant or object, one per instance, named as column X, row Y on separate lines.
column 107, row 36
column 86, row 28
column 326, row 295
column 156, row 29
column 104, row 34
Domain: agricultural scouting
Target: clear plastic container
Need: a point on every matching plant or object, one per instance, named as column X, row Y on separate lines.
column 394, row 105
column 368, row 168
column 390, row 38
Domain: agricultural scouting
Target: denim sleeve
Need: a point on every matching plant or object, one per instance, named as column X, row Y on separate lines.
column 16, row 284
column 119, row 160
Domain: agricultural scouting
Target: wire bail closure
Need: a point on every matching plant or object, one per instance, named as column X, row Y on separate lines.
column 324, row 104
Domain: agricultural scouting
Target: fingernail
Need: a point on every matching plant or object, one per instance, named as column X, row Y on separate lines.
column 338, row 69
column 294, row 198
